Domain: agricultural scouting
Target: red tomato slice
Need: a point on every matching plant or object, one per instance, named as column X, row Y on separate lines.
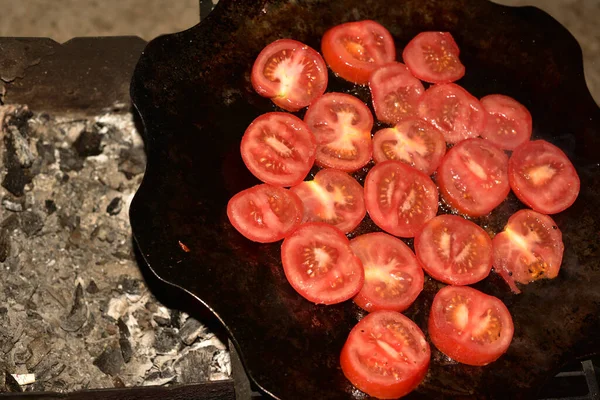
column 414, row 142
column 354, row 49
column 529, row 248
column 333, row 197
column 342, row 126
column 473, row 177
column 320, row 265
column 393, row 276
column 454, row 250
column 433, row 57
column 469, row 326
column 290, row 73
column 399, row 198
column 452, row 110
column 508, row 123
column 395, row 93
column 265, row 213
column 386, row 355
column 278, row 148
column 542, row 177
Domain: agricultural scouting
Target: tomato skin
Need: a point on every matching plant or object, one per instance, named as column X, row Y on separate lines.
column 377, row 251
column 278, row 127
column 284, row 200
column 337, row 49
column 441, row 264
column 508, row 124
column 473, row 177
column 459, row 344
column 295, row 94
column 340, row 121
column 308, row 277
column 446, row 49
column 559, row 183
column 395, row 93
column 385, row 387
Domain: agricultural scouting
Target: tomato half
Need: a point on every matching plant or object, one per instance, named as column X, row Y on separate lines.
column 529, row 248
column 508, row 123
column 354, row 49
column 342, row 126
column 278, row 148
column 395, row 93
column 265, row 213
column 542, row 177
column 473, row 177
column 320, row 265
column 333, row 197
column 454, row 250
column 393, row 276
column 414, row 142
column 454, row 111
column 469, row 326
column 399, row 198
column 433, row 57
column 290, row 73
column 386, row 355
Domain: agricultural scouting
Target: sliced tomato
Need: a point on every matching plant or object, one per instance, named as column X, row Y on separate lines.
column 508, row 123
column 386, row 355
column 454, row 250
column 452, row 110
column 354, row 49
column 278, row 148
column 333, row 197
column 320, row 265
column 395, row 93
column 529, row 248
column 342, row 126
column 542, row 177
column 473, row 177
column 399, row 198
column 433, row 57
column 469, row 326
column 290, row 73
column 414, row 142
column 265, row 213
column 393, row 276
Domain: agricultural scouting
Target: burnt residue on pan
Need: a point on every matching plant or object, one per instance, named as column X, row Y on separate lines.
column 193, row 92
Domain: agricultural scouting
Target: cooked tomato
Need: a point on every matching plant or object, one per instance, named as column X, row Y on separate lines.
column 469, row 326
column 333, row 197
column 454, row 111
column 414, row 142
column 320, row 265
column 265, row 213
column 542, row 177
column 433, row 57
column 473, row 177
column 354, row 49
column 529, row 248
column 395, row 93
column 290, row 73
column 342, row 126
column 393, row 276
column 386, row 355
column 454, row 250
column 508, row 123
column 278, row 148
column 399, row 198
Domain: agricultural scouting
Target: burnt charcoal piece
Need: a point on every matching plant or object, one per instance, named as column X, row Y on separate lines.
column 190, row 331
column 78, row 314
column 124, row 343
column 50, row 206
column 130, row 285
column 92, row 288
column 89, row 143
column 4, row 244
column 31, row 222
column 70, row 160
column 132, row 162
column 17, row 162
column 114, row 207
column 193, row 92
column 110, row 361
column 166, row 340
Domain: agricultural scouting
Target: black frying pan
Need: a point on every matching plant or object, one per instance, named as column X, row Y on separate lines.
column 193, row 92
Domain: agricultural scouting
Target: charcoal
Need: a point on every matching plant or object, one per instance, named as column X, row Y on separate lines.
column 110, row 361
column 50, row 206
column 78, row 315
column 166, row 340
column 70, row 160
column 190, row 331
column 115, row 206
column 89, row 143
column 4, row 244
column 92, row 288
column 130, row 285
column 132, row 162
column 31, row 223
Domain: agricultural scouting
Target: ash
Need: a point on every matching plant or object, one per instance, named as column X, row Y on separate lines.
column 75, row 312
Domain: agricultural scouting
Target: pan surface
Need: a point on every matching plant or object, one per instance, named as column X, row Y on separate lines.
column 193, row 92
